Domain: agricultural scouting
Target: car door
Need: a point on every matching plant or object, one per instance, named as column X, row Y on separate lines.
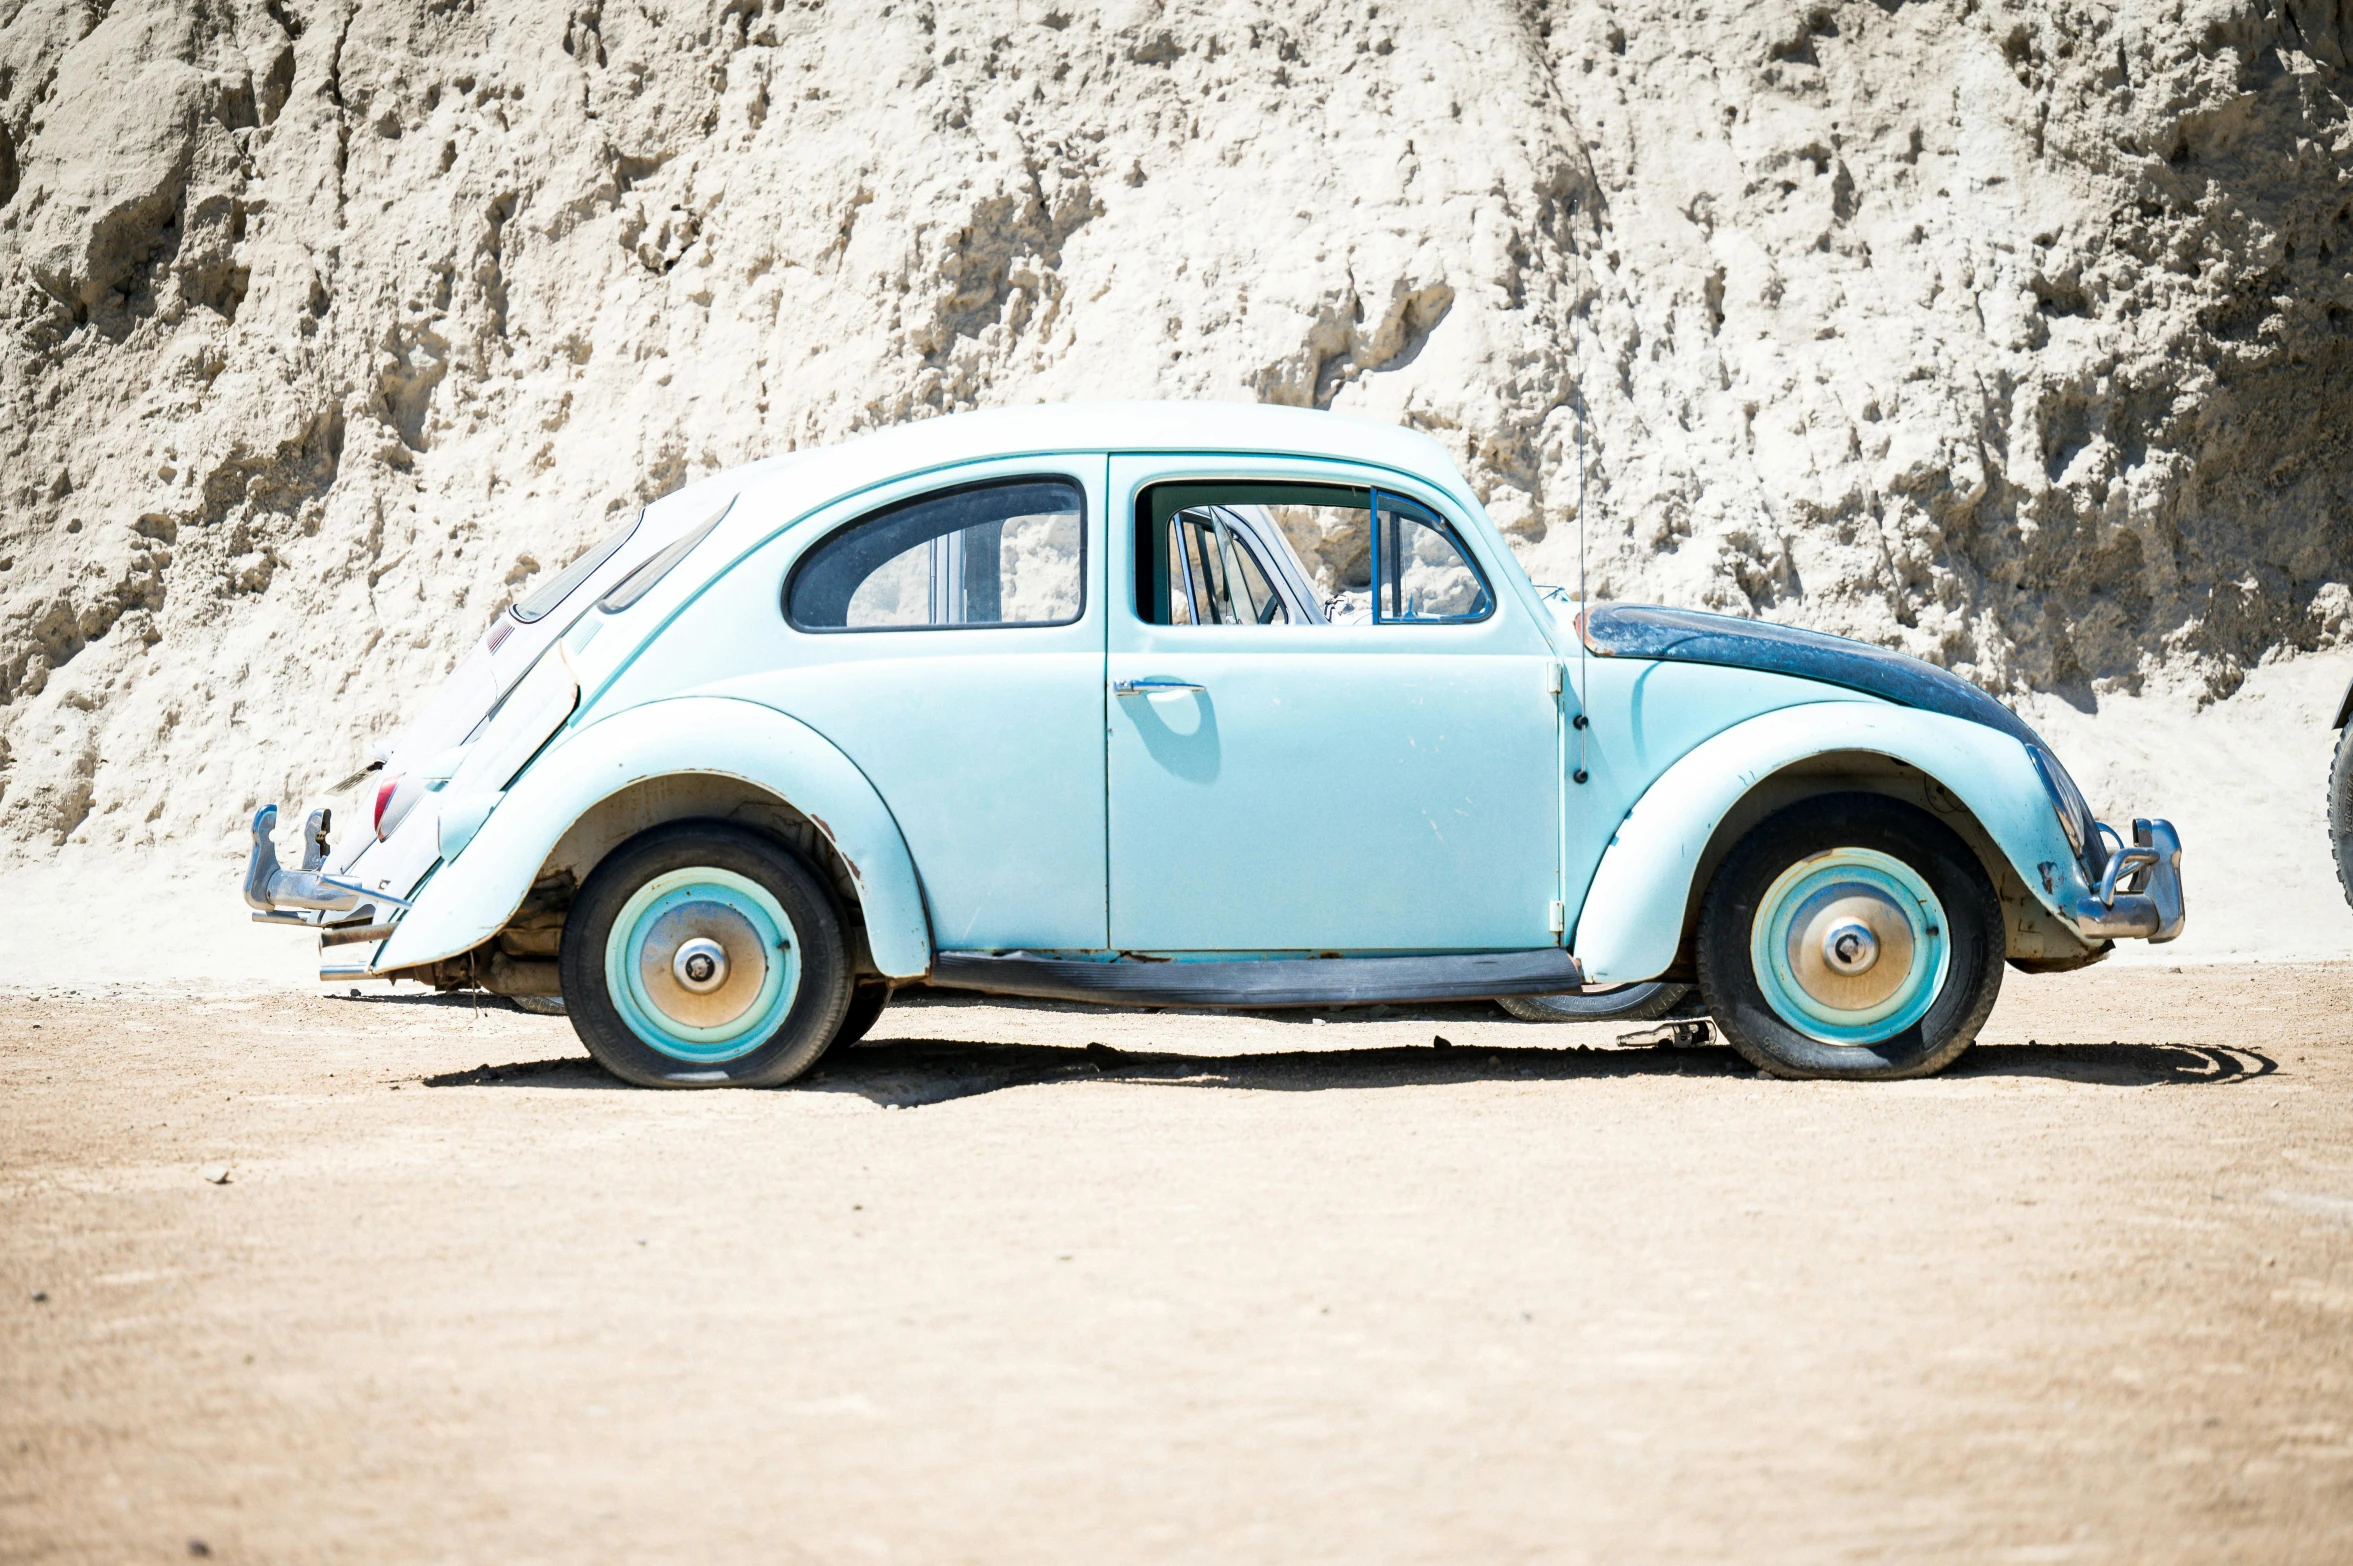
column 1382, row 774
column 946, row 634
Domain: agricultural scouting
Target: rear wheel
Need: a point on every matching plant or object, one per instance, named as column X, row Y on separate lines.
column 1646, row 1001
column 1850, row 935
column 866, row 1004
column 702, row 955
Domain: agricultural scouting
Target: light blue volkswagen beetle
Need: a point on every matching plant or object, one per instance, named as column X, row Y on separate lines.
column 1186, row 705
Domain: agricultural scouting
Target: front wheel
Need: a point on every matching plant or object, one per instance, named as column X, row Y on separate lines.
column 702, row 955
column 1850, row 935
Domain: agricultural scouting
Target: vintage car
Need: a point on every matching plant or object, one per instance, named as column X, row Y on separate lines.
column 1186, row 705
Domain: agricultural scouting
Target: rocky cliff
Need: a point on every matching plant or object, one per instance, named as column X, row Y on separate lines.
column 2014, row 336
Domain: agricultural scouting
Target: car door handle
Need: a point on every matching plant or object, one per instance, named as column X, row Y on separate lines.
column 1153, row 687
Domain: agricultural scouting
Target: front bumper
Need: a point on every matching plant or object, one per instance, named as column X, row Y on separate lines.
column 2139, row 895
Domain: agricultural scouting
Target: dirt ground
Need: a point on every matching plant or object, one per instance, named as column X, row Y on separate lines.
column 1055, row 1284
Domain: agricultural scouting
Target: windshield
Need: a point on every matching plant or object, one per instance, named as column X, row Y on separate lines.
column 558, row 588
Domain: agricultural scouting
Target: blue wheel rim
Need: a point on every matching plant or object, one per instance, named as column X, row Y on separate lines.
column 1814, row 905
column 648, row 970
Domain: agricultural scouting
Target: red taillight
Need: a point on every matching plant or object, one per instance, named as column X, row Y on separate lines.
column 384, row 792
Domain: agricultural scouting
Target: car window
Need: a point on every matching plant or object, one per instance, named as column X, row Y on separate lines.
column 558, row 588
column 1215, row 577
column 1425, row 573
column 1007, row 553
column 1366, row 556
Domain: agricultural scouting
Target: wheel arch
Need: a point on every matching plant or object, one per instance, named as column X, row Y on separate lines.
column 704, row 796
column 1642, row 906
column 685, row 758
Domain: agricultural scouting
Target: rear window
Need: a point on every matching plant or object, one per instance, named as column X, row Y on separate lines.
column 559, row 587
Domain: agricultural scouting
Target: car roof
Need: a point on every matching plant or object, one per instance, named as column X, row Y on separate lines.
column 821, row 473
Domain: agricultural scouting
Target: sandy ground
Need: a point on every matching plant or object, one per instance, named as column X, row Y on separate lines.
column 1052, row 1284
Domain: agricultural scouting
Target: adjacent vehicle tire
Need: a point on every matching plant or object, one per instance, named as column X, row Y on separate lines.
column 699, row 954
column 1643, row 1002
column 2340, row 810
column 1850, row 935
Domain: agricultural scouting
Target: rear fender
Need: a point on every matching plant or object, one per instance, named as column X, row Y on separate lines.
column 472, row 896
column 1643, row 891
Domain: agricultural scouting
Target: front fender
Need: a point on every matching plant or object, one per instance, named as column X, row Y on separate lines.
column 1632, row 921
column 473, row 895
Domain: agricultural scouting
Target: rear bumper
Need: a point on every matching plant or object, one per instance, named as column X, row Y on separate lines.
column 342, row 913
column 273, row 891
column 2139, row 897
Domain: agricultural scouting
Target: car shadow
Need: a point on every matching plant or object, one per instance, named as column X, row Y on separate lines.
column 2117, row 1065
column 460, row 1000
column 913, row 1073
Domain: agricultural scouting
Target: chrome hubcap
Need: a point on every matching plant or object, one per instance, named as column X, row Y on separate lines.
column 701, row 964
column 1849, row 946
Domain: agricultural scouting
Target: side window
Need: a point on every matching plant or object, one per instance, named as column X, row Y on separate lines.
column 1425, row 573
column 1352, row 556
column 1009, row 553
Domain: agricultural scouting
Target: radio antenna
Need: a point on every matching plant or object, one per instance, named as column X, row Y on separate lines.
column 1584, row 601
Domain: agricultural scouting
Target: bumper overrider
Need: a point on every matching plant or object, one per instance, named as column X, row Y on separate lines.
column 308, row 898
column 2139, row 895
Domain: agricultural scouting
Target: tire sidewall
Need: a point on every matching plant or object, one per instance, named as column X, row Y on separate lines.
column 1973, row 925
column 1644, row 1001
column 2340, row 810
column 817, row 1007
column 868, row 999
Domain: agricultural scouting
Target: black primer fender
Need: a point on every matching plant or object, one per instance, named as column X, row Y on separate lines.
column 1694, row 636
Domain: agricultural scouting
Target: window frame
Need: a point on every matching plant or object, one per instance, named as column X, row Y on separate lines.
column 809, row 555
column 1154, row 573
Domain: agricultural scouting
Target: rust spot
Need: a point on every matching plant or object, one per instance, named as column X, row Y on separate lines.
column 856, row 879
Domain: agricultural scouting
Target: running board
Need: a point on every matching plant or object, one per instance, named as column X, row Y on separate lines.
column 1274, row 981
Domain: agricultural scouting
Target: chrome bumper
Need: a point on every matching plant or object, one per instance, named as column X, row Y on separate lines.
column 306, row 896
column 2139, row 896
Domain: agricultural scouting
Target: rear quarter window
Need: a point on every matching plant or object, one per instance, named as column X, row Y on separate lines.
column 1007, row 553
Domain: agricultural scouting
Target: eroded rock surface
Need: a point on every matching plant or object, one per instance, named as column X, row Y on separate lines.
column 2015, row 336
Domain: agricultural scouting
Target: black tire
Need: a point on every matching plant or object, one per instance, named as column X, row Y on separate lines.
column 1736, row 997
column 2340, row 810
column 814, row 1015
column 1644, row 1002
column 866, row 1004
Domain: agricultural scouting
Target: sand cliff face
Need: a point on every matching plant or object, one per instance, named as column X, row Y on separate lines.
column 2017, row 337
